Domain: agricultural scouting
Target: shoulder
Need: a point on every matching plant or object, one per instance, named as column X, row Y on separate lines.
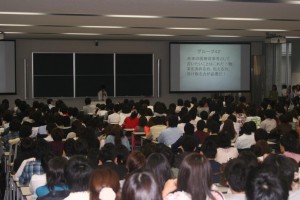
column 217, row 195
column 180, row 195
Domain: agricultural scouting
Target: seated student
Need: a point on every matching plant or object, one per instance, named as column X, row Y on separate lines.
column 209, row 150
column 263, row 184
column 55, row 177
column 11, row 133
column 228, row 128
column 289, row 145
column 171, row 134
column 141, row 185
column 188, row 133
column 49, row 128
column 269, row 123
column 200, row 133
column 104, row 184
column 57, row 144
column 108, row 159
column 194, row 118
column 135, row 161
column 42, row 150
column 132, row 121
column 247, row 138
column 101, row 111
column 284, row 168
column 117, row 137
column 157, row 127
column 236, row 171
column 252, row 116
column 114, row 118
column 77, row 174
column 187, row 184
column 88, row 108
column 225, row 151
column 159, row 165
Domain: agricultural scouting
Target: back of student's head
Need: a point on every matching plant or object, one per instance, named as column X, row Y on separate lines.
column 14, row 125
column 141, row 186
column 172, row 120
column 121, row 153
column 236, row 172
column 282, row 166
column 189, row 129
column 209, row 148
column 135, row 161
column 69, row 147
column 269, row 113
column 107, row 152
column 42, row 148
column 57, row 134
column 193, row 113
column 103, row 178
column 201, row 125
column 188, row 144
column 262, row 184
column 81, row 147
column 204, row 115
column 159, row 165
column 191, row 169
column 224, row 140
column 25, row 131
column 260, row 134
column 87, row 101
column 249, row 127
column 77, row 173
column 290, row 141
column 55, row 173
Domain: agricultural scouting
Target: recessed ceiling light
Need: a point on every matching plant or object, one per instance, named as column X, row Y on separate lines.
column 101, row 26
column 134, row 16
column 80, row 33
column 238, row 18
column 21, row 13
column 188, row 28
column 223, row 36
column 266, row 30
column 155, row 35
column 15, row 25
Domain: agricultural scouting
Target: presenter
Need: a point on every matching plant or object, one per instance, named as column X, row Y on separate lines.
column 102, row 94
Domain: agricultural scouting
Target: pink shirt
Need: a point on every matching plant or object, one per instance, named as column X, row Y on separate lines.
column 295, row 156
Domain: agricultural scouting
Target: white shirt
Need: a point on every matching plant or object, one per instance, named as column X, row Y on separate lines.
column 225, row 154
column 78, row 196
column 268, row 124
column 245, row 141
column 113, row 118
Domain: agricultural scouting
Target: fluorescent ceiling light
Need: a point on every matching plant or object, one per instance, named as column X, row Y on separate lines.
column 81, row 34
column 238, row 19
column 14, row 32
column 292, row 37
column 101, row 26
column 266, row 30
column 15, row 25
column 134, row 16
column 188, row 28
column 293, row 2
column 155, row 35
column 223, row 36
column 21, row 13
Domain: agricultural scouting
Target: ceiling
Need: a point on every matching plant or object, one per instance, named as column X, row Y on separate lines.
column 171, row 20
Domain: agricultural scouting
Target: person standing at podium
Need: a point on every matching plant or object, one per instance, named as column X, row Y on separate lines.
column 102, row 94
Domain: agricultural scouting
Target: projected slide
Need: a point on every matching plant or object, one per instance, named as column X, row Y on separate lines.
column 209, row 67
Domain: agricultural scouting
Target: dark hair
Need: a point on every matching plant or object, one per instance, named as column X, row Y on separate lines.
column 189, row 143
column 77, row 173
column 135, row 161
column 189, row 129
column 141, row 186
column 100, row 178
column 50, row 127
column 193, row 113
column 172, row 120
column 117, row 132
column 14, row 125
column 228, row 128
column 179, row 102
column 209, row 148
column 25, row 131
column 282, row 166
column 107, row 152
column 143, row 121
column 87, row 101
column 262, row 184
column 159, row 165
column 249, row 127
column 201, row 125
column 81, row 147
column 57, row 134
column 191, row 169
column 69, row 147
column 269, row 113
column 55, row 173
column 290, row 141
column 224, row 140
column 236, row 172
column 121, row 154
column 204, row 115
column 260, row 134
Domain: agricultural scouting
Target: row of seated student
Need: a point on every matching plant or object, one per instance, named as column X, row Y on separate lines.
column 114, row 173
column 61, row 121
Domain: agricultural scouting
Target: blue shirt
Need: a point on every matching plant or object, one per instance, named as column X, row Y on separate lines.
column 170, row 135
column 44, row 190
column 124, row 141
column 33, row 167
